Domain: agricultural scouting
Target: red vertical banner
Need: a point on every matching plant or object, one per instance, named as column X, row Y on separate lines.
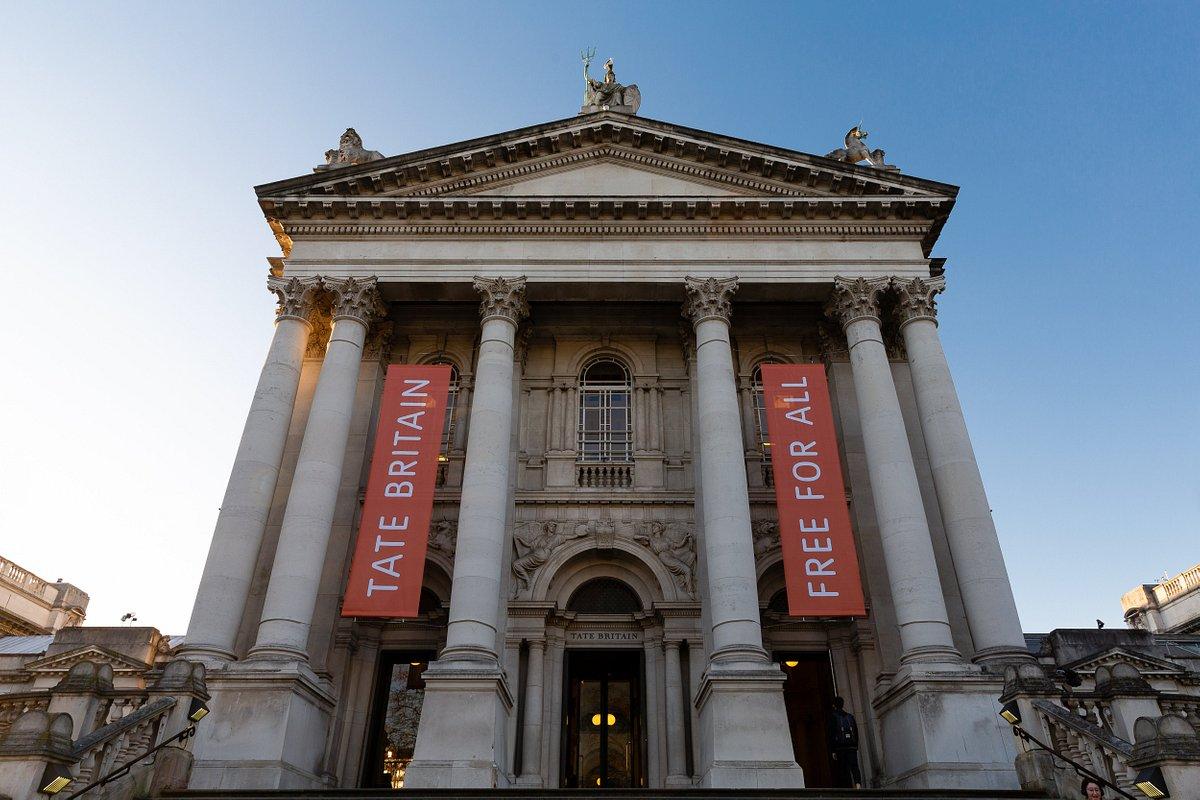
column 389, row 558
column 819, row 560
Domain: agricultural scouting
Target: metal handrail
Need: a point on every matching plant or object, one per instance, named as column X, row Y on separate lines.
column 182, row 736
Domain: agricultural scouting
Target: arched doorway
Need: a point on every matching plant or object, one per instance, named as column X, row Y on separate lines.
column 605, row 743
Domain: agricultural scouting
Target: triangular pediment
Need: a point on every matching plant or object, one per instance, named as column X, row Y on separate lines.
column 62, row 662
column 610, row 155
column 1146, row 665
column 604, row 176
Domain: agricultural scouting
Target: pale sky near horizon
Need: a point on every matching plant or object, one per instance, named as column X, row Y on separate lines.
column 134, row 254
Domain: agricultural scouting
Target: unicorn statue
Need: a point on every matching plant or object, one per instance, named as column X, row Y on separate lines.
column 855, row 151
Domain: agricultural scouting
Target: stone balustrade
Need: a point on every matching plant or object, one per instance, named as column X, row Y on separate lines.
column 604, row 475
column 91, row 729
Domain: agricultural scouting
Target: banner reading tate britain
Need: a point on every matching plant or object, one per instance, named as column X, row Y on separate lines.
column 819, row 561
column 389, row 558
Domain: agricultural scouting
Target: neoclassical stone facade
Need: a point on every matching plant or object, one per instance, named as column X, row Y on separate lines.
column 605, row 288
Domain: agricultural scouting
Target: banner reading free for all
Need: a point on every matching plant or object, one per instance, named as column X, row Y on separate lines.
column 819, row 560
column 389, row 558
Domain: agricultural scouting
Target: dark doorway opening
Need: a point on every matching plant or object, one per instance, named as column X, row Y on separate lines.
column 395, row 716
column 808, row 695
column 605, row 732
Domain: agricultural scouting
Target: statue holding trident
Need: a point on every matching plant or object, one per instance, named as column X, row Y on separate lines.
column 606, row 94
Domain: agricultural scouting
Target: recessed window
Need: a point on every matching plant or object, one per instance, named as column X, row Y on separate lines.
column 760, row 414
column 451, row 410
column 605, row 394
column 604, row 596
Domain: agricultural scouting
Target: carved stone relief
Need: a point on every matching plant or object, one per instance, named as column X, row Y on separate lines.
column 671, row 542
column 766, row 537
column 443, row 536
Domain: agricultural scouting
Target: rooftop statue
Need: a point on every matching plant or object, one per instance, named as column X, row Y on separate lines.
column 855, row 151
column 350, row 151
column 606, row 94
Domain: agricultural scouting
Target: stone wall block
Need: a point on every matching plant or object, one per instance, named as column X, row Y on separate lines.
column 36, row 738
column 1170, row 743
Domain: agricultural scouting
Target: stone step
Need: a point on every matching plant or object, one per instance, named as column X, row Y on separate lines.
column 603, row 794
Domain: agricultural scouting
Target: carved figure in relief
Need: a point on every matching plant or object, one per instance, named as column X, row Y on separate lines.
column 856, row 151
column 607, row 94
column 443, row 535
column 350, row 151
column 672, row 544
column 534, row 543
column 766, row 536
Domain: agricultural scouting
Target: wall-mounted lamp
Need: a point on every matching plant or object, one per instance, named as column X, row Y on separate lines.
column 1150, row 782
column 55, row 778
column 198, row 710
column 1011, row 713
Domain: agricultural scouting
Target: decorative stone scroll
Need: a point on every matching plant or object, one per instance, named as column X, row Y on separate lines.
column 356, row 298
column 502, row 297
column 709, row 298
column 917, row 298
column 855, row 298
column 297, row 297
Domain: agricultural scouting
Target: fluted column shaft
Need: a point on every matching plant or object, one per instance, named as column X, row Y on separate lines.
column 308, row 519
column 242, row 520
column 925, row 633
column 478, row 564
column 729, row 553
column 974, row 544
column 676, row 752
column 531, row 736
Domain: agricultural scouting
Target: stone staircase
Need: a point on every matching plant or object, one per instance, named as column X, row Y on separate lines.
column 610, row 794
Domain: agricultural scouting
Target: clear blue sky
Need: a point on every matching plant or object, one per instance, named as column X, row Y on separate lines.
column 133, row 251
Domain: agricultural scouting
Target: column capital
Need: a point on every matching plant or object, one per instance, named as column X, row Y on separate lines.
column 356, row 298
column 709, row 298
column 855, row 298
column 502, row 297
column 297, row 297
column 917, row 298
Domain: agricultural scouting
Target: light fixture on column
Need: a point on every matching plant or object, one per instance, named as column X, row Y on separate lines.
column 1011, row 713
column 791, row 664
column 1151, row 783
column 198, row 710
column 55, row 778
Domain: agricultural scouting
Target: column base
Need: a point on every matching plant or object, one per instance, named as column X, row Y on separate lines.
column 941, row 729
column 745, row 739
column 461, row 739
column 268, row 728
column 995, row 659
column 210, row 655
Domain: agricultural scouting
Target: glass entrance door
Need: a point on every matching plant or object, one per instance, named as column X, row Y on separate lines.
column 605, row 740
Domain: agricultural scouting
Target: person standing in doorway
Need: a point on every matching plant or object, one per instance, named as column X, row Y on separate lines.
column 843, row 745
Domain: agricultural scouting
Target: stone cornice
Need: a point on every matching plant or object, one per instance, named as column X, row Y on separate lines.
column 287, row 209
column 564, row 229
column 408, row 171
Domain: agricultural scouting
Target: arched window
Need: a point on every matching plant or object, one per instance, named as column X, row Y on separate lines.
column 604, row 596
column 760, row 414
column 451, row 410
column 605, row 432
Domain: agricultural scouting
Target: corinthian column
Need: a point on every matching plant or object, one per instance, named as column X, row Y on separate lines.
column 479, row 560
column 308, row 519
column 974, row 545
column 461, row 740
column 912, row 570
column 741, row 693
column 225, row 584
